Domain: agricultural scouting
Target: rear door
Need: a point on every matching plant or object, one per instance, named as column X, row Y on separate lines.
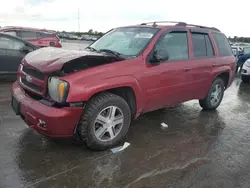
column 203, row 59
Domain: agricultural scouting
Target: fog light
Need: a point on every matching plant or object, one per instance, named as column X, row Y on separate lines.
column 42, row 123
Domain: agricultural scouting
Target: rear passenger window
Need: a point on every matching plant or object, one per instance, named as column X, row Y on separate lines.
column 222, row 44
column 210, row 49
column 202, row 45
column 44, row 34
column 28, row 35
column 176, row 44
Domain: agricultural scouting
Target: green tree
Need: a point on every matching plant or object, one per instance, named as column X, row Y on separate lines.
column 90, row 31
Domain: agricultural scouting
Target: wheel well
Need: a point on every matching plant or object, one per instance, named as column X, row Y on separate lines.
column 127, row 93
column 225, row 77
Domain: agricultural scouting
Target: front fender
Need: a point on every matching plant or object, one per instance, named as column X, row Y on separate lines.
column 84, row 91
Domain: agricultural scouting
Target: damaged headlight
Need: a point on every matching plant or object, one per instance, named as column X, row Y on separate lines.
column 58, row 89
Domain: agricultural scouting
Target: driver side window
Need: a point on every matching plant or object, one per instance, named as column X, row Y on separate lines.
column 10, row 44
column 176, row 44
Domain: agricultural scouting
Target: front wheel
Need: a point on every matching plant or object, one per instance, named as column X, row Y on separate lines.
column 214, row 96
column 105, row 121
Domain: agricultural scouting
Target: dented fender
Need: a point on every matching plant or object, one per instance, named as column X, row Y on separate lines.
column 84, row 91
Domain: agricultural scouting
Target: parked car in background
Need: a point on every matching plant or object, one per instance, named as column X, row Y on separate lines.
column 242, row 55
column 86, row 37
column 72, row 37
column 37, row 37
column 94, row 38
column 89, row 37
column 12, row 51
column 246, row 49
column 63, row 36
column 245, row 72
column 96, row 92
column 236, row 50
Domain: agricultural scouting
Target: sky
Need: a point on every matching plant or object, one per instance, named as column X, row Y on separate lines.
column 102, row 15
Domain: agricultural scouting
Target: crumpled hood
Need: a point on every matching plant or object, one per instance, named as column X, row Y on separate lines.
column 51, row 59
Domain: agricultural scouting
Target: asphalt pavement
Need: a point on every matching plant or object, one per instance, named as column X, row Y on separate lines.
column 198, row 149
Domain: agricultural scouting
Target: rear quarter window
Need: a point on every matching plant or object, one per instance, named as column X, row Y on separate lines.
column 222, row 44
column 49, row 35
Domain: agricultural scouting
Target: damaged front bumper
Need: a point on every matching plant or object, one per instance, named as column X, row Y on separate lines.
column 47, row 120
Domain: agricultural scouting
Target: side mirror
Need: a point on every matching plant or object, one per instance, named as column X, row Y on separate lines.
column 26, row 49
column 158, row 56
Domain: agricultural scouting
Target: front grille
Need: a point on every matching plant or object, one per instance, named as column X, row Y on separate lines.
column 30, row 85
column 35, row 73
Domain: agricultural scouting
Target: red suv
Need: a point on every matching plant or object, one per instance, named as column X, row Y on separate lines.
column 37, row 37
column 95, row 93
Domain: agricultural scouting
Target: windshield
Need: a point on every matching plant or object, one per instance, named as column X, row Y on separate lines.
column 128, row 41
column 247, row 50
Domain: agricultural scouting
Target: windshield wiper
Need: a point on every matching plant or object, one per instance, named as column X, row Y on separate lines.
column 91, row 48
column 112, row 52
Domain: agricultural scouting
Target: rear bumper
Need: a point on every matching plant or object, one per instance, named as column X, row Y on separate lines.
column 60, row 122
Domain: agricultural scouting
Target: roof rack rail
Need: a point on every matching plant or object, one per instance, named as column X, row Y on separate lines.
column 154, row 23
column 180, row 24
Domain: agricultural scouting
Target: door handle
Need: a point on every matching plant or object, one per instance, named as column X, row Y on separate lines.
column 187, row 69
column 214, row 65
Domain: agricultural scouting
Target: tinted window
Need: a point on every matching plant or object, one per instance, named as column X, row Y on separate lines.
column 10, row 44
column 202, row 45
column 222, row 44
column 176, row 44
column 28, row 35
column 42, row 34
column 210, row 49
column 11, row 33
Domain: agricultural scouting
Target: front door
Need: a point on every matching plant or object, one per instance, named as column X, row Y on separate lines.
column 13, row 54
column 168, row 82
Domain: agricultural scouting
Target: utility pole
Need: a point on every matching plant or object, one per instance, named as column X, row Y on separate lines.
column 78, row 17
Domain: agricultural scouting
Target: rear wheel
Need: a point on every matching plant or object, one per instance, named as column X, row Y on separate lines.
column 105, row 121
column 214, row 96
column 245, row 78
column 52, row 44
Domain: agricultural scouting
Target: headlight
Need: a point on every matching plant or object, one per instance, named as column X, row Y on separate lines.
column 58, row 89
column 247, row 63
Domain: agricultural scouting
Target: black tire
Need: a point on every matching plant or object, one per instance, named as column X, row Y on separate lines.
column 245, row 79
column 93, row 108
column 206, row 103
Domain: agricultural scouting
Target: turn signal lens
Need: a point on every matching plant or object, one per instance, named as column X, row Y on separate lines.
column 61, row 90
column 58, row 89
